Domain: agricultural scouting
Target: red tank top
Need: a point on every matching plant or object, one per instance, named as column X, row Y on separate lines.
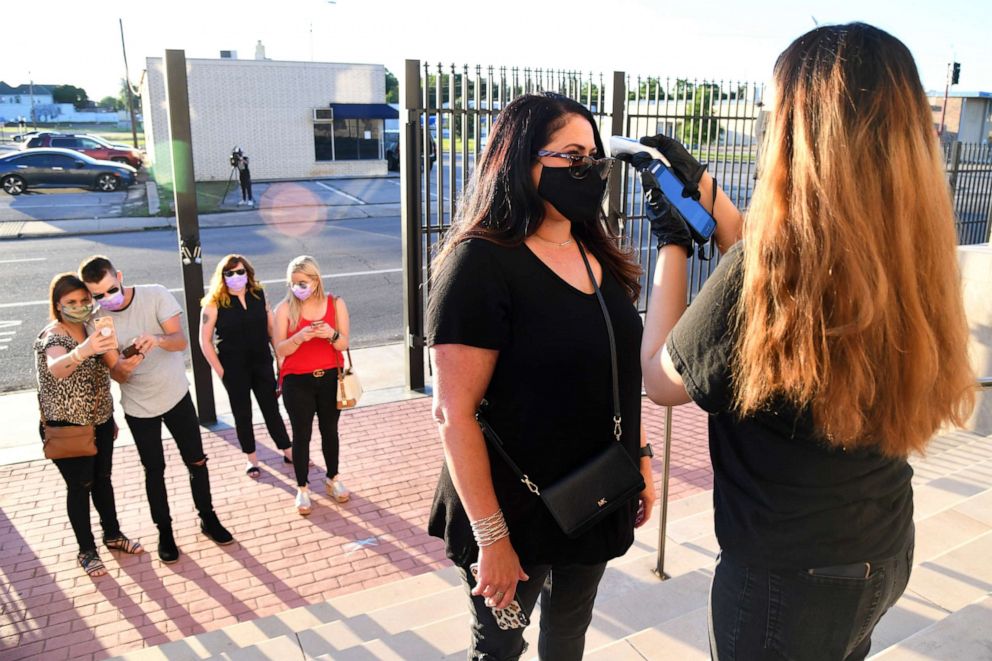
column 315, row 354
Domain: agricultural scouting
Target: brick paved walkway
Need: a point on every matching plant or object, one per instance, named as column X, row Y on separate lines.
column 390, row 460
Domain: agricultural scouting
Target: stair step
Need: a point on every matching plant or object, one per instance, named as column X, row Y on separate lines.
column 965, row 634
column 282, row 648
column 685, row 638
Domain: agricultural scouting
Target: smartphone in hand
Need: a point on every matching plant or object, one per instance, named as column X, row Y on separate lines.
column 105, row 326
column 511, row 617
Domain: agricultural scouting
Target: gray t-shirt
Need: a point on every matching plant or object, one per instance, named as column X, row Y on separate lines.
column 159, row 382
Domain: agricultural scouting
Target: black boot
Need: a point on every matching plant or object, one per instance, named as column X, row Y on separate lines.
column 210, row 526
column 168, row 552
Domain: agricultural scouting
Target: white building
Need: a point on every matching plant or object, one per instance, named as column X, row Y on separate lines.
column 292, row 119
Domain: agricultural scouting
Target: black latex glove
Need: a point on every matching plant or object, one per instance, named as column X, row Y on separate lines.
column 667, row 224
column 684, row 165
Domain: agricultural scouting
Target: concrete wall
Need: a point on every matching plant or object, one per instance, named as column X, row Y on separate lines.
column 976, row 278
column 264, row 107
column 973, row 118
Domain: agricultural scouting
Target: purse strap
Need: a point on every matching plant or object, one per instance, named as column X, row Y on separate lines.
column 617, row 418
column 496, row 442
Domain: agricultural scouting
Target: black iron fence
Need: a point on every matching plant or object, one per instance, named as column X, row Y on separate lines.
column 969, row 172
column 453, row 108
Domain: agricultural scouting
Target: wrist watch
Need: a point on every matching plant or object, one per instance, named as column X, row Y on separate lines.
column 645, row 451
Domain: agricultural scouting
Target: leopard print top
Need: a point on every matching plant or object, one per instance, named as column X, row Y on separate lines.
column 84, row 397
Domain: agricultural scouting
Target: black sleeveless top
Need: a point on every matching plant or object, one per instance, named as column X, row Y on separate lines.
column 243, row 333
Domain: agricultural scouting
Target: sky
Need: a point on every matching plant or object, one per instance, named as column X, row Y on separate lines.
column 718, row 39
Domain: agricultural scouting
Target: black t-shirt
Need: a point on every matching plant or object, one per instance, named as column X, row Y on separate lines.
column 783, row 497
column 550, row 396
column 243, row 332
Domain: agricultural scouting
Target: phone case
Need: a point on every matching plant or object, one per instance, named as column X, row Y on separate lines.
column 511, row 617
column 105, row 322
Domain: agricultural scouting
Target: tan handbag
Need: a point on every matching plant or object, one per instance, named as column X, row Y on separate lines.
column 349, row 386
column 68, row 442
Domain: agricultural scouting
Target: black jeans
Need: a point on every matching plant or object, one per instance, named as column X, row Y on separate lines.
column 762, row 614
column 182, row 423
column 305, row 395
column 242, row 377
column 245, row 188
column 567, row 592
column 89, row 477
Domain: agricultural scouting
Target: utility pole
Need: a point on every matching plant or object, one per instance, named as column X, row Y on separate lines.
column 187, row 223
column 953, row 72
column 127, row 83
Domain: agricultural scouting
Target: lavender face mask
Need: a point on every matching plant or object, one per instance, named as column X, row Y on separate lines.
column 302, row 292
column 236, row 282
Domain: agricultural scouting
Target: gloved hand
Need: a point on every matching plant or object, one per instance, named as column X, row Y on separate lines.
column 667, row 224
column 684, row 165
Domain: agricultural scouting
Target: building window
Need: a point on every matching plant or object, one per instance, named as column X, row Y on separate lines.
column 348, row 139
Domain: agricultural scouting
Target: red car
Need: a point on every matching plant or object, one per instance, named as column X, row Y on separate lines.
column 90, row 145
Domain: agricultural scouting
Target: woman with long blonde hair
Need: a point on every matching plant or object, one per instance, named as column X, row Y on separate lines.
column 235, row 307
column 828, row 346
column 311, row 331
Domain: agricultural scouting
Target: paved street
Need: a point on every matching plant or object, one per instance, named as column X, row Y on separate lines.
column 361, row 256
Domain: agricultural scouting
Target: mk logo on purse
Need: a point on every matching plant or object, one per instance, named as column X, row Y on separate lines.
column 601, row 502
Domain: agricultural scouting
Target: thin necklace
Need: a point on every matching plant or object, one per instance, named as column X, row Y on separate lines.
column 554, row 243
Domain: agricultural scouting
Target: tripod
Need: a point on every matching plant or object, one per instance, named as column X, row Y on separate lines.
column 234, row 170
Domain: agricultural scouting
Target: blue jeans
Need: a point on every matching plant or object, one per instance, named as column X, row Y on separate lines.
column 826, row 613
column 567, row 592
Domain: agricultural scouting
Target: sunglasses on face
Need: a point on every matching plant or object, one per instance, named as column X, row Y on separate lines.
column 234, row 272
column 579, row 166
column 109, row 292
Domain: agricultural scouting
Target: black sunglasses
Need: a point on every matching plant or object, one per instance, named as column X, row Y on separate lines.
column 109, row 292
column 233, row 272
column 579, row 165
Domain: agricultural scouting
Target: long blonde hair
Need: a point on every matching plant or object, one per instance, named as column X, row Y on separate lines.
column 306, row 265
column 851, row 300
column 218, row 294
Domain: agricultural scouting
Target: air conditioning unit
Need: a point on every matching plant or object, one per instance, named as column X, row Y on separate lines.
column 323, row 114
column 229, row 55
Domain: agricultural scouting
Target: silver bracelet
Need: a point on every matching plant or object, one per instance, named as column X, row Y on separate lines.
column 489, row 530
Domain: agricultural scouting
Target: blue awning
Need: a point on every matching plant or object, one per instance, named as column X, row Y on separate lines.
column 364, row 111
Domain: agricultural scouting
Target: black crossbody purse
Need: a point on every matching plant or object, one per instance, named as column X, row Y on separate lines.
column 603, row 484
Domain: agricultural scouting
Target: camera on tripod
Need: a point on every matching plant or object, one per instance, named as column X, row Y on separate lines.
column 236, row 156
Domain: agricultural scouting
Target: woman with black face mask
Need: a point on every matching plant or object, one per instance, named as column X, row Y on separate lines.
column 517, row 321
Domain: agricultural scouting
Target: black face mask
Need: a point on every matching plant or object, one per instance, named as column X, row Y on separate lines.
column 579, row 200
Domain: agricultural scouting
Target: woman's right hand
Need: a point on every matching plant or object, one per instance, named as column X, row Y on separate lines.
column 305, row 334
column 97, row 343
column 499, row 571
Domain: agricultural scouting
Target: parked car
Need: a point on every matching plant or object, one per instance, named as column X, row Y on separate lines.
column 61, row 168
column 391, row 140
column 90, row 145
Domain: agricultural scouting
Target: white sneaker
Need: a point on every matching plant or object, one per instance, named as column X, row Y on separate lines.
column 250, row 203
column 303, row 505
column 337, row 490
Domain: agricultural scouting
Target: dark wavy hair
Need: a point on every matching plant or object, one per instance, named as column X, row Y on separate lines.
column 501, row 203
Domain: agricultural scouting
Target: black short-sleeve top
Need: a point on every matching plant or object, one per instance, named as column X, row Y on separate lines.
column 243, row 330
column 550, row 396
column 784, row 498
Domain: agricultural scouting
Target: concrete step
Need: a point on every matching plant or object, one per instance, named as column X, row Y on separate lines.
column 965, row 634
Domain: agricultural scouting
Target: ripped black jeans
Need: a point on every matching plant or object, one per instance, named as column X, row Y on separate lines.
column 89, row 477
column 182, row 423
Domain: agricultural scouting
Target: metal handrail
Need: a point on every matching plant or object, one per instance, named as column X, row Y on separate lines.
column 983, row 383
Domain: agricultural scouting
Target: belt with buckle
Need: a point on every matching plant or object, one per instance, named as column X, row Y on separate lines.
column 318, row 373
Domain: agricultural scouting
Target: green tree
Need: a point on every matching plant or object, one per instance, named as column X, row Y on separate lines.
column 109, row 102
column 699, row 127
column 122, row 97
column 649, row 88
column 69, row 94
column 392, row 88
